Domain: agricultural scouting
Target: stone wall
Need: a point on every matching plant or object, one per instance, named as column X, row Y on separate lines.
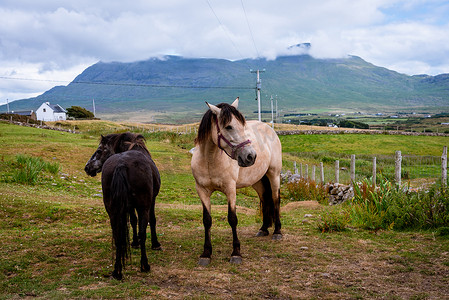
column 359, row 131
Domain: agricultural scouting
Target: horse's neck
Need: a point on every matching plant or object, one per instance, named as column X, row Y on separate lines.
column 141, row 149
column 212, row 154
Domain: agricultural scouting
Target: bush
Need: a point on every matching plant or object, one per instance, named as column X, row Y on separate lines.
column 392, row 207
column 333, row 221
column 78, row 112
column 29, row 169
column 304, row 189
column 353, row 124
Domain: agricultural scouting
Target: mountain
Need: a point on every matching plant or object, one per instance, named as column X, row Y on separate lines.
column 173, row 89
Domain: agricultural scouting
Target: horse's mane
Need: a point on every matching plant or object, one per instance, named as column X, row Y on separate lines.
column 122, row 142
column 227, row 111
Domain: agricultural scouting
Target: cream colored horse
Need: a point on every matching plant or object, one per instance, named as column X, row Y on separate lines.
column 231, row 153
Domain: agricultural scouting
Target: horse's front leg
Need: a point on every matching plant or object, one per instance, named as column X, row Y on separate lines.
column 207, row 222
column 236, row 257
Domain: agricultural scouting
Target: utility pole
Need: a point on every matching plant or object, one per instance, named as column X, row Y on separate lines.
column 7, row 104
column 272, row 115
column 277, row 113
column 93, row 104
column 258, row 86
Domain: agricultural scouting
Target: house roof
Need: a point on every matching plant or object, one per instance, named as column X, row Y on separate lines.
column 56, row 108
column 22, row 112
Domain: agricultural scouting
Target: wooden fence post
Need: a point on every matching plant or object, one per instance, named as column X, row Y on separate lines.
column 313, row 173
column 444, row 167
column 337, row 171
column 374, row 170
column 322, row 172
column 398, row 161
column 295, row 168
column 306, row 173
column 352, row 169
column 300, row 170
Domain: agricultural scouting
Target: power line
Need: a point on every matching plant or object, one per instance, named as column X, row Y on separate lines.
column 132, row 84
column 249, row 27
column 223, row 28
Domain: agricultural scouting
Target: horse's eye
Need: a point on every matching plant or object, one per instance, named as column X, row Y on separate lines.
column 229, row 127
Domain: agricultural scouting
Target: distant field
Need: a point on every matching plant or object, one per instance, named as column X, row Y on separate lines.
column 365, row 144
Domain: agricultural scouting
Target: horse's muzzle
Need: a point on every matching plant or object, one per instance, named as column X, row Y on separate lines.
column 90, row 171
column 246, row 159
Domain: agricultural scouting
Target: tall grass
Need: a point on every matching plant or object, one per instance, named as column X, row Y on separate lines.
column 386, row 206
column 390, row 207
column 29, row 169
column 304, row 189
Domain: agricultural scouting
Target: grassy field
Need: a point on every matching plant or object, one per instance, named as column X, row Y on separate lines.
column 421, row 154
column 56, row 240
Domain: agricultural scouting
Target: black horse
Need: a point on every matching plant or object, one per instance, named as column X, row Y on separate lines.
column 130, row 183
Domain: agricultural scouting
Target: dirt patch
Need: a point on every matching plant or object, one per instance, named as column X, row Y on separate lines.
column 301, row 205
column 240, row 209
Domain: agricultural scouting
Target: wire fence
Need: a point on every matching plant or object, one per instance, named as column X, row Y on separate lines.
column 415, row 170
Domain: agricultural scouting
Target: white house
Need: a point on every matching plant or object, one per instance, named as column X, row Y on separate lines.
column 50, row 112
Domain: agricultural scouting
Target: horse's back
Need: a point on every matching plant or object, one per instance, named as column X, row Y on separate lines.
column 267, row 143
column 143, row 175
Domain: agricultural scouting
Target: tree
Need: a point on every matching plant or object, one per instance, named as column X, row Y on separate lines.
column 78, row 112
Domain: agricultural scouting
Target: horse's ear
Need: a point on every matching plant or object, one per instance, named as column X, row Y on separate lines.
column 215, row 110
column 235, row 103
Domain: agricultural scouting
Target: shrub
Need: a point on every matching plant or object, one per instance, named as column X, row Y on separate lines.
column 304, row 189
column 78, row 112
column 333, row 221
column 29, row 169
column 392, row 207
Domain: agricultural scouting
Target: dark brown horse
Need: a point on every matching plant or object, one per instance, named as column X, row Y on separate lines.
column 130, row 183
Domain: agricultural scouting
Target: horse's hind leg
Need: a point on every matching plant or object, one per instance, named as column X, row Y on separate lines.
column 275, row 183
column 266, row 207
column 117, row 273
column 143, row 223
column 155, row 245
column 133, row 221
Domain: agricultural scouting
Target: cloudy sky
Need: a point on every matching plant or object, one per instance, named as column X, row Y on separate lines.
column 47, row 42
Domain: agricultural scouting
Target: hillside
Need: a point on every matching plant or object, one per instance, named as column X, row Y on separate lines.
column 173, row 89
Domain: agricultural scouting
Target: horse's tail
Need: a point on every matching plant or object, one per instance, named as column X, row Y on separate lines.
column 120, row 211
column 268, row 202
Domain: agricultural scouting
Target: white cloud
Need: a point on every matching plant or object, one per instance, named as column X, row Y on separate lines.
column 41, row 39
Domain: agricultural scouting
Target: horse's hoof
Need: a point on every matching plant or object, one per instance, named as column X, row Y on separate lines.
column 262, row 233
column 204, row 261
column 158, row 248
column 117, row 275
column 135, row 245
column 145, row 268
column 236, row 260
column 276, row 236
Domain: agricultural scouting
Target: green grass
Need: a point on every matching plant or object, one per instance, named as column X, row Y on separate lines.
column 359, row 144
column 421, row 154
